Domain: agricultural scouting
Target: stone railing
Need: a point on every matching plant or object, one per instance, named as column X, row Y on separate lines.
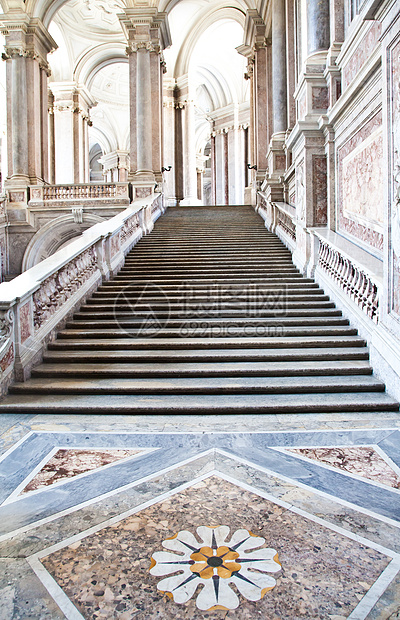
column 36, row 303
column 79, row 192
column 279, row 218
column 355, row 272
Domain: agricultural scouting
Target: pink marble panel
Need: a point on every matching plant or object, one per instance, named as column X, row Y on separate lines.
column 7, row 359
column 143, row 192
column 302, row 107
column 363, row 461
column 69, row 463
column 363, row 181
column 25, row 322
column 115, row 245
column 320, row 98
column 320, row 198
column 361, row 54
column 358, row 230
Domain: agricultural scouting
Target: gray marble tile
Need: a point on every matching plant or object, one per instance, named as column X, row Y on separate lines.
column 360, row 493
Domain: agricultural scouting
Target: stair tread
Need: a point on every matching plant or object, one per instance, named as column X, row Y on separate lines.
column 199, row 384
column 265, row 403
column 210, row 344
column 240, row 368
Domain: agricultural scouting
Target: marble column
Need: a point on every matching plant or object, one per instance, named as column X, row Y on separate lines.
column 147, row 35
column 311, row 142
column 19, row 121
column 279, row 80
column 318, row 25
column 144, row 113
column 71, row 106
column 185, row 101
column 169, row 141
column 52, row 153
column 27, row 44
column 256, row 49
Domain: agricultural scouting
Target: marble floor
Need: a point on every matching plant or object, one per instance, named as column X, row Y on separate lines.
column 274, row 517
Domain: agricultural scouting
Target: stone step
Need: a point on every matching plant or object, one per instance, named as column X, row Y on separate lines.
column 188, row 295
column 278, row 304
column 310, row 325
column 213, row 369
column 222, row 385
column 208, row 355
column 291, row 282
column 136, row 344
column 198, row 330
column 292, row 285
column 91, row 313
column 199, row 404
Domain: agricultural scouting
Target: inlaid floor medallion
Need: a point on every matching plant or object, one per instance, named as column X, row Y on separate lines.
column 215, row 563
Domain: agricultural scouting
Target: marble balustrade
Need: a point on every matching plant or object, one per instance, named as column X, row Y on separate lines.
column 37, row 303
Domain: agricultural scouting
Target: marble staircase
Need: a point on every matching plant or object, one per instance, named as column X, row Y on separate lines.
column 208, row 315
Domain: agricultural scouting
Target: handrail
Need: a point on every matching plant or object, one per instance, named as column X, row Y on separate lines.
column 36, row 302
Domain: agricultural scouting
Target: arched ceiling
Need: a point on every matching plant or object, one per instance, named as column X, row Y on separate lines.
column 91, row 52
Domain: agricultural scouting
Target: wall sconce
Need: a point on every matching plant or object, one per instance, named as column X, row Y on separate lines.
column 252, row 167
column 167, row 169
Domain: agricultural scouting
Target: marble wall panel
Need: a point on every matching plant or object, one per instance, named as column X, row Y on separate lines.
column 363, row 183
column 7, row 359
column 320, row 98
column 361, row 54
column 320, row 198
column 353, row 150
column 25, row 322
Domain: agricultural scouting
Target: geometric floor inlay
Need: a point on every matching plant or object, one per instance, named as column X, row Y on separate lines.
column 108, row 574
column 363, row 461
column 68, row 463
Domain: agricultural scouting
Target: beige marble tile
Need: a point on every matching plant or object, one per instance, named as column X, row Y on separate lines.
column 324, row 574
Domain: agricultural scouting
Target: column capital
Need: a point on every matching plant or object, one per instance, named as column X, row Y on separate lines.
column 26, row 37
column 146, row 25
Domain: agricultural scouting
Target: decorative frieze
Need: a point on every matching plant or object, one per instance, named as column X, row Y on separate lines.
column 6, row 325
column 129, row 228
column 60, row 286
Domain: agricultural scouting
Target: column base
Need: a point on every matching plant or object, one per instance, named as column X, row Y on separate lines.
column 190, row 201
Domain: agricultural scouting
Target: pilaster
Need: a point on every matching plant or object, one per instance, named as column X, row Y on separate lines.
column 147, row 34
column 71, row 108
